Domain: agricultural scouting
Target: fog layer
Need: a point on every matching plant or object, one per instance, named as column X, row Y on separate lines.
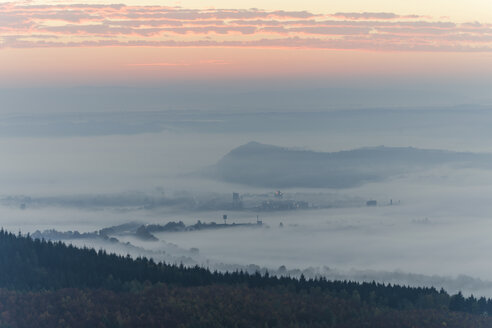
column 112, row 173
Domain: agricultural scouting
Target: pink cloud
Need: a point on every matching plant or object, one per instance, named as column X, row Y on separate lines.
column 183, row 64
column 365, row 15
column 161, row 64
column 81, row 25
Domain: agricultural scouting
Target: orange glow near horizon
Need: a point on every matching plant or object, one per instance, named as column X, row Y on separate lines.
column 137, row 65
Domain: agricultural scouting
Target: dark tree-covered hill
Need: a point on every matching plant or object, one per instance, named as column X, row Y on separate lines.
column 45, row 284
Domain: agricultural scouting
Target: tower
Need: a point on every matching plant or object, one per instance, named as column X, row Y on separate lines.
column 236, row 201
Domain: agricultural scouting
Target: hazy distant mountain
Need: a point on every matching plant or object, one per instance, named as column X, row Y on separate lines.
column 261, row 165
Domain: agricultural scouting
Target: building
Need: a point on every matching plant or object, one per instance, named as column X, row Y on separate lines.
column 237, row 204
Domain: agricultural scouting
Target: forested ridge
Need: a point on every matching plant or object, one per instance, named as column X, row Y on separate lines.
column 50, row 284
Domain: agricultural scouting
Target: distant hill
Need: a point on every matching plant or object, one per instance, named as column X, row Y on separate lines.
column 261, row 165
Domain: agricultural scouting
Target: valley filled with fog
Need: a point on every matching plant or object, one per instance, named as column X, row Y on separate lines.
column 431, row 224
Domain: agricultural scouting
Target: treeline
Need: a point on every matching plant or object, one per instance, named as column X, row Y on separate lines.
column 52, row 281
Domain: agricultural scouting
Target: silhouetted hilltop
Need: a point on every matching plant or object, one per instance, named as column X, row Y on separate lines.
column 270, row 166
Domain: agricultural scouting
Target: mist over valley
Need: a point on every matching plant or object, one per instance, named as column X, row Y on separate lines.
column 431, row 194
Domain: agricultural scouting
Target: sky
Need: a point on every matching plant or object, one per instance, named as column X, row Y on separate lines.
column 135, row 43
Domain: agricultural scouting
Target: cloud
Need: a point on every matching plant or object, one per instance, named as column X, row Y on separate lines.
column 180, row 64
column 161, row 64
column 366, row 15
column 381, row 44
column 331, row 30
column 97, row 25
